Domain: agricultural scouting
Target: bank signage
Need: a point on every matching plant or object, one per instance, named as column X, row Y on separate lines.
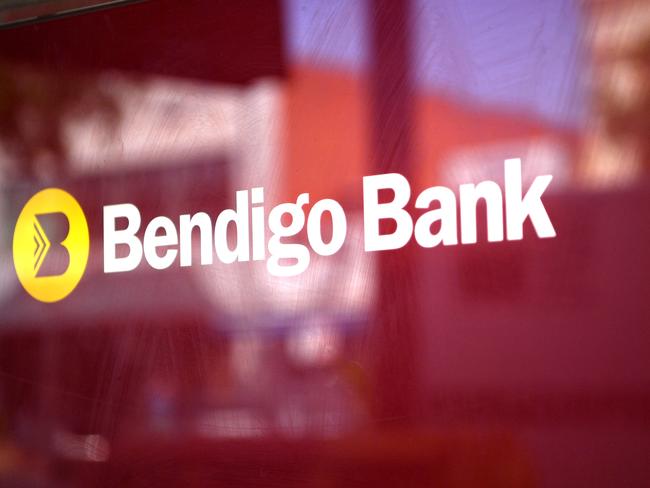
column 51, row 237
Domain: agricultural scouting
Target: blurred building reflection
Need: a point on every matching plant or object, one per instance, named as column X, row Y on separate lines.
column 522, row 364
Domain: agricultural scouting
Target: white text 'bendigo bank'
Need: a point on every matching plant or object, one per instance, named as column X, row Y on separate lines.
column 239, row 234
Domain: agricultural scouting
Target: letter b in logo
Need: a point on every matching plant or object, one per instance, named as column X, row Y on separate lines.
column 51, row 245
column 51, row 258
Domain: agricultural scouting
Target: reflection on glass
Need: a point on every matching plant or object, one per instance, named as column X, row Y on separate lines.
column 512, row 364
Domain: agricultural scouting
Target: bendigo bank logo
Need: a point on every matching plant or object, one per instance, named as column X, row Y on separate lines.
column 51, row 245
column 51, row 242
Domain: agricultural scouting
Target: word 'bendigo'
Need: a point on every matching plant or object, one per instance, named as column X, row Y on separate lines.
column 239, row 234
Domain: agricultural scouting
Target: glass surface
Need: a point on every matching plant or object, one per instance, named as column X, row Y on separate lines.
column 514, row 363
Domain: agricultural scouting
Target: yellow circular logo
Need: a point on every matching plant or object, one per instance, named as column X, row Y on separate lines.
column 51, row 245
